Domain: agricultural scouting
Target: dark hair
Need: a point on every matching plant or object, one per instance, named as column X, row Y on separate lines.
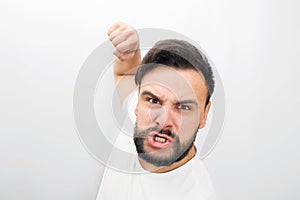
column 178, row 54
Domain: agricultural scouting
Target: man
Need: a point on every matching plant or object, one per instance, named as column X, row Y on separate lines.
column 175, row 82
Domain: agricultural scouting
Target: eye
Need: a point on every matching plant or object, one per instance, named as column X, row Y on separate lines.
column 184, row 107
column 154, row 101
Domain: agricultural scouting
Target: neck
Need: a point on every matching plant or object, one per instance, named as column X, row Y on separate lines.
column 154, row 169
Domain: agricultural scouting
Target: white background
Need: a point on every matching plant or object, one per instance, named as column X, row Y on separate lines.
column 254, row 45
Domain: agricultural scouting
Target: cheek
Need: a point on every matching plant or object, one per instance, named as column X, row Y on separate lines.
column 148, row 114
column 188, row 126
column 143, row 115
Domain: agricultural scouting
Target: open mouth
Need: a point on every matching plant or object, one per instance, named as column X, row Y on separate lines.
column 159, row 140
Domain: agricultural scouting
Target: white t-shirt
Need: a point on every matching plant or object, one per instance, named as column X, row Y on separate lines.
column 188, row 182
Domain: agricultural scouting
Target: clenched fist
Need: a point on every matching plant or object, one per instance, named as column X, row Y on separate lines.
column 125, row 39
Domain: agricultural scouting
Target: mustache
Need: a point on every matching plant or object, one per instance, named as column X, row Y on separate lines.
column 144, row 133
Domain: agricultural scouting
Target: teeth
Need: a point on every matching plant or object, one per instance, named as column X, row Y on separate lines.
column 160, row 139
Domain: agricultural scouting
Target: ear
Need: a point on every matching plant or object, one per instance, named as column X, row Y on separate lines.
column 136, row 110
column 204, row 117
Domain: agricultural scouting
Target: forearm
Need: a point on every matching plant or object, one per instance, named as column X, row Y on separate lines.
column 127, row 66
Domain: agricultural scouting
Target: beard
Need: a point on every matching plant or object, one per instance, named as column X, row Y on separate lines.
column 162, row 157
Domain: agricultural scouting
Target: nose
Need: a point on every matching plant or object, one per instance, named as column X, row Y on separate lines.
column 164, row 117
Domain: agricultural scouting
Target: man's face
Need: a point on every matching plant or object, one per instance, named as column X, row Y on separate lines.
column 170, row 109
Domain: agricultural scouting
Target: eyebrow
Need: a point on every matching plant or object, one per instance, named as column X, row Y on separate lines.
column 144, row 93
column 188, row 102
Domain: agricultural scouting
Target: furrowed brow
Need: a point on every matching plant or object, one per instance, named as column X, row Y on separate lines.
column 148, row 93
column 145, row 93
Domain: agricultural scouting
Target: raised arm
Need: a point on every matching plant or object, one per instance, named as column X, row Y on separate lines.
column 126, row 41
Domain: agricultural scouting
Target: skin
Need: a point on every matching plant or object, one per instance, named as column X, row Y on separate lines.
column 172, row 100
column 126, row 42
column 169, row 86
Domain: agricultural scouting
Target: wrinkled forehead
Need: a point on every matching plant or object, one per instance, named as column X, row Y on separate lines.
column 176, row 83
